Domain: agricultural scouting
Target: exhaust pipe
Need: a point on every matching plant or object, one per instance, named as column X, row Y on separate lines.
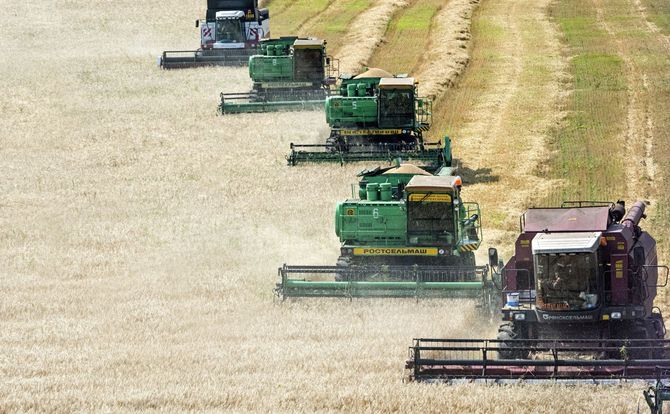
column 635, row 214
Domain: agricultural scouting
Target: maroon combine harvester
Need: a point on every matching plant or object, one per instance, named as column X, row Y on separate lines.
column 579, row 304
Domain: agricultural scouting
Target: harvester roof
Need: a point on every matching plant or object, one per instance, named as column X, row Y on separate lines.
column 230, row 14
column 308, row 44
column 407, row 169
column 396, row 83
column 574, row 242
column 431, row 183
column 566, row 219
column 374, row 73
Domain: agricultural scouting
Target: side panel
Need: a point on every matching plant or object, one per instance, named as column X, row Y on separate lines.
column 207, row 33
column 270, row 68
column 253, row 32
column 619, row 279
column 383, row 223
column 348, row 112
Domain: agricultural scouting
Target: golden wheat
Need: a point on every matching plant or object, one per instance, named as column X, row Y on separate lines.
column 140, row 236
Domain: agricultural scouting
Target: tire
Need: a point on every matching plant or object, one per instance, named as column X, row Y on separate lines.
column 507, row 332
column 343, row 262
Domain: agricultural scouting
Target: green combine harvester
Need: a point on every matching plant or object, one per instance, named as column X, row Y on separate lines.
column 408, row 234
column 376, row 116
column 289, row 74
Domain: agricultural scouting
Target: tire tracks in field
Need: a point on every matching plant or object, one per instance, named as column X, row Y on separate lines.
column 639, row 133
column 509, row 122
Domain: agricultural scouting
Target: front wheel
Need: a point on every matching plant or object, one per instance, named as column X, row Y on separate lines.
column 508, row 334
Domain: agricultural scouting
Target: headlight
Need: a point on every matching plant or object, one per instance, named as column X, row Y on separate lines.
column 519, row 316
column 616, row 315
column 441, row 251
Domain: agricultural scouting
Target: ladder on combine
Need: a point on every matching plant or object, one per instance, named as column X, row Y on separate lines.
column 475, row 360
column 386, row 281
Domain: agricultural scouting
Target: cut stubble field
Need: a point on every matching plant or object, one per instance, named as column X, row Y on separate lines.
column 140, row 236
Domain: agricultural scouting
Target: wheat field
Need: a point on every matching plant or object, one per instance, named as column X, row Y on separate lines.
column 140, row 236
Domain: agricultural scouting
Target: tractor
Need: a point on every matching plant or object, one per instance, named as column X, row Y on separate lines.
column 375, row 116
column 579, row 303
column 288, row 73
column 230, row 33
column 406, row 232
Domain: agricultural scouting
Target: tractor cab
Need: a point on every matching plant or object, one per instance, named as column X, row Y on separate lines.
column 435, row 212
column 396, row 103
column 229, row 30
column 309, row 60
column 567, row 270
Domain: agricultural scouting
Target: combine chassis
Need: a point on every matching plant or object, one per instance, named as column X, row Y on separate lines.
column 563, row 361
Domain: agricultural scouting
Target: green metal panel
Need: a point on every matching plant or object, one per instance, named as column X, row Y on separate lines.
column 378, row 222
column 270, row 68
column 344, row 111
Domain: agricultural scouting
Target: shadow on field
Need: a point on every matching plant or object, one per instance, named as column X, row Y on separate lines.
column 475, row 176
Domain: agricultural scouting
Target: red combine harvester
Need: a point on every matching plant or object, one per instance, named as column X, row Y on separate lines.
column 579, row 304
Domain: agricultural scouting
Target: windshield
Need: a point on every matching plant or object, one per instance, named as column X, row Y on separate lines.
column 228, row 31
column 396, row 108
column 430, row 214
column 566, row 281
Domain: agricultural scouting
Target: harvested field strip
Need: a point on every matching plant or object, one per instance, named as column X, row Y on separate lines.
column 589, row 143
column 333, row 23
column 500, row 113
column 658, row 12
column 407, row 37
column 287, row 16
column 365, row 34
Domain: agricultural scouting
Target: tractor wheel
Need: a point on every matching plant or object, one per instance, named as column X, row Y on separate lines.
column 507, row 332
column 343, row 262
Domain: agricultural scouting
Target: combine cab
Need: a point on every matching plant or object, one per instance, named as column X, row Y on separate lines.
column 579, row 294
column 288, row 74
column 229, row 35
column 376, row 116
column 407, row 234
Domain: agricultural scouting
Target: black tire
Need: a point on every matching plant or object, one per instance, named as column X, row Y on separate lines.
column 343, row 262
column 507, row 332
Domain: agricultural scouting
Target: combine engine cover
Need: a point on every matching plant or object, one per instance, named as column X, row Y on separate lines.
column 578, row 296
column 288, row 73
column 374, row 118
column 229, row 35
column 409, row 234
